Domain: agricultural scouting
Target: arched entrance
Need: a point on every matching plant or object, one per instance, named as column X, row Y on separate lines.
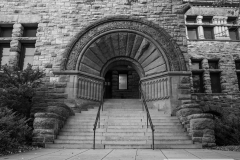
column 123, row 41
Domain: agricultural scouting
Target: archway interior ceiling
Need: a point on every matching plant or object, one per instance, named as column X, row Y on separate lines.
column 122, row 45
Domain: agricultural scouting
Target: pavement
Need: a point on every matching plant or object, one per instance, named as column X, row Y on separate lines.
column 123, row 154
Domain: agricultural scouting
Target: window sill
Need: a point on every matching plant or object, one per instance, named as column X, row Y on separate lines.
column 197, row 70
column 215, row 70
column 218, row 40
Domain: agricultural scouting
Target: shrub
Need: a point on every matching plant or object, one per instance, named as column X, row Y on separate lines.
column 227, row 130
column 14, row 130
column 18, row 88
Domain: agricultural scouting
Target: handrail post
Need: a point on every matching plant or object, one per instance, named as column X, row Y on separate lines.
column 147, row 121
column 99, row 121
column 153, row 139
column 94, row 139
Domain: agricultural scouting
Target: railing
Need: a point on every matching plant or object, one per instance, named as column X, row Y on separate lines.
column 97, row 121
column 148, row 114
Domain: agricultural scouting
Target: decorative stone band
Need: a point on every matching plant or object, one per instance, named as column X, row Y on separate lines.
column 156, row 89
column 89, row 89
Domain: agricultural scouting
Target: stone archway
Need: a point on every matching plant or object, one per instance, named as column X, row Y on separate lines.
column 137, row 28
column 148, row 47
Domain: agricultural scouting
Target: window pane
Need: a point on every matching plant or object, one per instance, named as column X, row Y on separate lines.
column 207, row 20
column 30, row 32
column 27, row 54
column 192, row 33
column 27, row 59
column 232, row 20
column 4, row 54
column 6, row 32
column 122, row 81
column 237, row 64
column 191, row 19
column 238, row 76
column 213, row 64
column 196, row 65
column 215, row 82
column 197, row 83
column 208, row 33
column 233, row 33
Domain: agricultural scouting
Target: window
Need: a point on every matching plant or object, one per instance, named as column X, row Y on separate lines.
column 215, row 82
column 196, row 65
column 233, row 33
column 4, row 54
column 208, row 32
column 192, row 33
column 123, row 81
column 213, row 64
column 6, row 31
column 238, row 77
column 232, row 20
column 207, row 19
column 197, row 83
column 237, row 65
column 26, row 56
column 191, row 19
column 30, row 32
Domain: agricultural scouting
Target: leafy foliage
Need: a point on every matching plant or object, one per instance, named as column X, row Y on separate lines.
column 14, row 130
column 227, row 130
column 18, row 88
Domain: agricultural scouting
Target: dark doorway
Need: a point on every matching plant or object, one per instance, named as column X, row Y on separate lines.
column 122, row 82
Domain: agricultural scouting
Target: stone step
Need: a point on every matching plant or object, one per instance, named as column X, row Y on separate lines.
column 157, row 127
column 74, row 146
column 123, row 138
column 125, row 122
column 82, row 121
column 156, row 134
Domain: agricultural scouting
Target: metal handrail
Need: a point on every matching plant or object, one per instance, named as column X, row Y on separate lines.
column 148, row 114
column 97, row 121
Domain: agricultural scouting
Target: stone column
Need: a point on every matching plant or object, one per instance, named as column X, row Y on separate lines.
column 15, row 45
column 206, row 76
column 200, row 28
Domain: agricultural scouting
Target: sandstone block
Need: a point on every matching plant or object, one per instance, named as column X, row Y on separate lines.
column 188, row 111
column 201, row 124
column 197, row 133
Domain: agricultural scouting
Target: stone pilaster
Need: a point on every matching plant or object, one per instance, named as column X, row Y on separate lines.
column 200, row 28
column 206, row 76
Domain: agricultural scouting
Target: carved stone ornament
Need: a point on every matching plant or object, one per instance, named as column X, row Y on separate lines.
column 75, row 48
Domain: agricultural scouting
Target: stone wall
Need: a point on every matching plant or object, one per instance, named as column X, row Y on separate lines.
column 59, row 20
column 226, row 52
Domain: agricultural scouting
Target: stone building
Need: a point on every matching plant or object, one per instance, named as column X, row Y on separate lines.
column 186, row 54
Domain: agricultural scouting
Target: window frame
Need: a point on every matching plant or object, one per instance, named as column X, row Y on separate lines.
column 216, row 84
column 23, row 54
column 192, row 27
column 212, row 32
column 1, row 54
column 201, row 86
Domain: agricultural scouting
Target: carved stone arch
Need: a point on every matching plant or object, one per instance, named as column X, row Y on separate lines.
column 94, row 33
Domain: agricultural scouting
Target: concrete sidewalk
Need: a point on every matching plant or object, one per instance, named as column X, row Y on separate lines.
column 122, row 154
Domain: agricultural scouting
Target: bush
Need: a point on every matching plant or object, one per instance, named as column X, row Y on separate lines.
column 227, row 130
column 14, row 130
column 18, row 88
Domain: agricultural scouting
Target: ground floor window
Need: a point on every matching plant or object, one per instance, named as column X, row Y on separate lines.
column 215, row 82
column 197, row 83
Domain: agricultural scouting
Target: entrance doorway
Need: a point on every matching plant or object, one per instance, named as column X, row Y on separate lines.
column 122, row 82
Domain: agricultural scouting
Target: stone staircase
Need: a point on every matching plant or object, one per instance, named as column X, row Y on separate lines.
column 123, row 125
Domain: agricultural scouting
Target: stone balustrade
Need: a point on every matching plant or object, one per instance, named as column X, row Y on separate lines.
column 156, row 89
column 89, row 89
